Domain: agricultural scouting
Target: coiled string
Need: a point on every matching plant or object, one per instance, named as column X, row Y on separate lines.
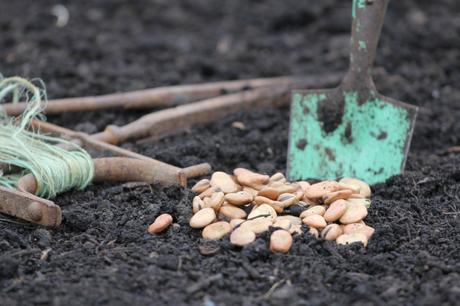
column 55, row 167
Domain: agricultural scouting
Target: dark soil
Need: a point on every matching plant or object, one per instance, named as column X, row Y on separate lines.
column 102, row 254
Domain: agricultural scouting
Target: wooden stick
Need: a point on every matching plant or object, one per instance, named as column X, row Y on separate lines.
column 165, row 174
column 183, row 116
column 149, row 98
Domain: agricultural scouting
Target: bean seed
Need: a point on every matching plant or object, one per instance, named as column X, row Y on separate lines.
column 304, row 185
column 251, row 179
column 314, row 232
column 292, row 219
column 236, row 222
column 314, row 210
column 299, row 194
column 336, row 195
column 250, row 190
column 216, row 201
column 353, row 187
column 318, row 190
column 239, row 198
column 216, row 231
column 224, row 181
column 288, row 199
column 354, row 213
column 331, row 232
column 359, row 228
column 161, row 223
column 258, row 225
column 277, row 206
column 364, row 188
column 365, row 202
column 284, row 188
column 277, row 177
column 208, row 192
column 263, row 210
column 352, row 238
column 231, row 212
column 315, row 221
column 202, row 218
column 259, row 200
column 201, row 186
column 335, row 211
column 283, row 223
column 241, row 237
column 269, row 192
column 310, row 202
column 197, row 204
column 296, row 229
column 280, row 241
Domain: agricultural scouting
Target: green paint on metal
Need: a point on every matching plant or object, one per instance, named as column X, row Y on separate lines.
column 362, row 45
column 353, row 11
column 368, row 144
column 361, row 4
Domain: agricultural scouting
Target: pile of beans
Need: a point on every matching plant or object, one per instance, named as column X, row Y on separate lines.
column 246, row 204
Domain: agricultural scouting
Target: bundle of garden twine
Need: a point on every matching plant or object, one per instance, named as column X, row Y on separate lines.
column 55, row 167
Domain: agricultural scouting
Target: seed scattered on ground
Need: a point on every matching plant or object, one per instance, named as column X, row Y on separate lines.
column 313, row 210
column 231, row 212
column 224, row 182
column 203, row 217
column 269, row 192
column 197, row 204
column 236, row 222
column 282, row 223
column 258, row 225
column 201, row 186
column 352, row 238
column 247, row 204
column 251, row 179
column 238, row 125
column 319, row 190
column 216, row 231
column 263, row 210
column 331, row 232
column 161, row 223
column 239, row 198
column 364, row 189
column 315, row 221
column 280, row 241
column 359, row 228
column 216, row 201
column 335, row 210
column 242, row 237
column 354, row 213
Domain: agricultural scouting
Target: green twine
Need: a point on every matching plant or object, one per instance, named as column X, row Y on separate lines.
column 55, row 169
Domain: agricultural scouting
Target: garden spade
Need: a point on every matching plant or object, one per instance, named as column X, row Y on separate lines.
column 351, row 131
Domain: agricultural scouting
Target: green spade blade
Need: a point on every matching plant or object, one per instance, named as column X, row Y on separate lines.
column 351, row 131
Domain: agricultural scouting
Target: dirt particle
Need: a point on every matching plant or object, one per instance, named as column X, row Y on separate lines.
column 330, row 154
column 348, row 136
column 330, row 112
column 383, row 135
column 301, row 144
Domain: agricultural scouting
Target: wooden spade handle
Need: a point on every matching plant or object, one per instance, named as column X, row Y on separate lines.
column 368, row 17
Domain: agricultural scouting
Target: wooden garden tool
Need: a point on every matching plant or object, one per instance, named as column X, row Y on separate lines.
column 351, row 131
column 132, row 167
column 22, row 203
column 169, row 96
